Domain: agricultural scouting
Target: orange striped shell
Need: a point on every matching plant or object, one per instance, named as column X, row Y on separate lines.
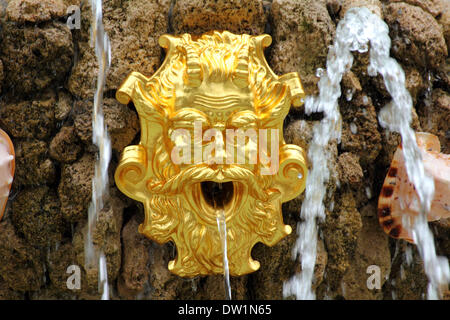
column 7, row 166
column 398, row 196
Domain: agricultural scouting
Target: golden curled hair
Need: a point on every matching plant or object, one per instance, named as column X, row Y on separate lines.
column 218, row 57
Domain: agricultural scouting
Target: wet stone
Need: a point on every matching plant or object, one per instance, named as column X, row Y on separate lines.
column 134, row 28
column 65, row 146
column 302, row 32
column 24, row 270
column 134, row 273
column 121, row 121
column 360, row 129
column 435, row 117
column 373, row 5
column 31, row 118
column 33, row 166
column 417, row 37
column 37, row 216
column 46, row 60
column 350, row 171
column 106, row 238
column 236, row 16
column 34, row 10
column 64, row 106
column 2, row 75
column 59, row 259
column 434, row 7
column 371, row 250
column 75, row 188
column 340, row 231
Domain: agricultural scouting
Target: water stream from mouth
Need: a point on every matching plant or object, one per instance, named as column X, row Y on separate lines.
column 222, row 226
column 100, row 138
column 354, row 32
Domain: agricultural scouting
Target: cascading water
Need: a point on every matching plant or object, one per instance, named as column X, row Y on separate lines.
column 354, row 32
column 397, row 117
column 103, row 277
column 101, row 139
column 222, row 226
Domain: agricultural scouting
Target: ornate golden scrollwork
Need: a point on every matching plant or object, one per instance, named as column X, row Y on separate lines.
column 212, row 92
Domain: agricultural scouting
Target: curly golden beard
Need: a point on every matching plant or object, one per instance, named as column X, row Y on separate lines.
column 197, row 238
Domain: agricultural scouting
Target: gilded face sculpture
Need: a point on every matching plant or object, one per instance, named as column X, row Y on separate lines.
column 212, row 144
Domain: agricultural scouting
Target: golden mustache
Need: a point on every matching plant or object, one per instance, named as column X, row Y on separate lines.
column 203, row 173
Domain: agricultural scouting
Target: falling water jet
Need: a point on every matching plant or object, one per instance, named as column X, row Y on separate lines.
column 222, row 226
column 397, row 116
column 339, row 61
column 101, row 139
column 103, row 277
column 354, row 32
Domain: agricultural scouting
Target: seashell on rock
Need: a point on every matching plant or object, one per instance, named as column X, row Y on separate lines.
column 7, row 165
column 398, row 196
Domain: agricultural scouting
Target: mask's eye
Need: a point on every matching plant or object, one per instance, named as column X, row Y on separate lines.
column 242, row 120
column 188, row 118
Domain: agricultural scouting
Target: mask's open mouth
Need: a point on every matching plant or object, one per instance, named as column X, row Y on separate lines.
column 216, row 194
column 206, row 198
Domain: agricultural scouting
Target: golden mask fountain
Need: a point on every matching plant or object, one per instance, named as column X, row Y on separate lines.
column 212, row 140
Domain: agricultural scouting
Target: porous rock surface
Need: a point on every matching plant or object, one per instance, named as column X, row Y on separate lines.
column 302, row 32
column 200, row 16
column 417, row 37
column 34, row 10
column 134, row 28
column 35, row 58
column 48, row 77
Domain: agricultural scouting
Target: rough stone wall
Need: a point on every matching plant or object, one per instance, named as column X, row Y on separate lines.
column 47, row 80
